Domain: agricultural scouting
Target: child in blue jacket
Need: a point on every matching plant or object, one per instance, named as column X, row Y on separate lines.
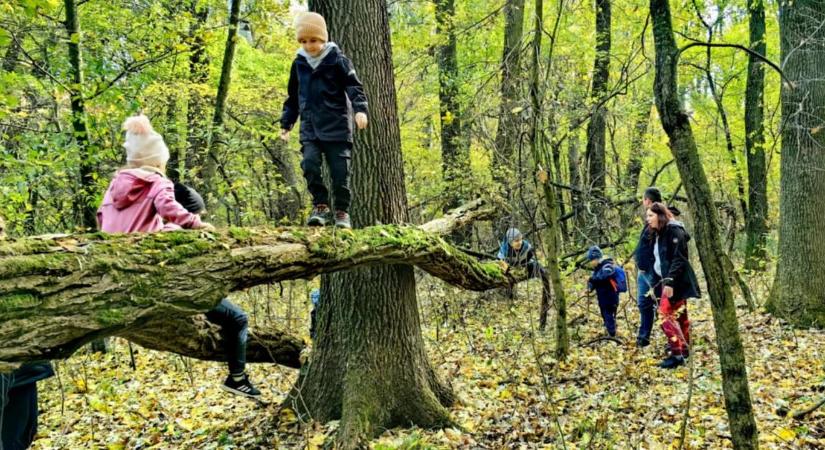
column 602, row 281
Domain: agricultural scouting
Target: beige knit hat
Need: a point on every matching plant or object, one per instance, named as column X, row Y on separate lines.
column 144, row 147
column 310, row 24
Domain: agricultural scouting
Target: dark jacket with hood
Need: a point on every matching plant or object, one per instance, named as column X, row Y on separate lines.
column 675, row 265
column 602, row 281
column 323, row 97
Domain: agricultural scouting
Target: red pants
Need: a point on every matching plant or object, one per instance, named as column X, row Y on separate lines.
column 675, row 324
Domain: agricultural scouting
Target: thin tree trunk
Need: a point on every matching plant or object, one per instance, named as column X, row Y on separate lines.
column 216, row 133
column 597, row 126
column 700, row 202
column 637, row 154
column 507, row 134
column 455, row 156
column 798, row 293
column 757, row 220
column 544, row 158
column 84, row 201
column 196, row 122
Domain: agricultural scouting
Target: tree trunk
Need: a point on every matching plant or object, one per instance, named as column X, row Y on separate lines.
column 544, row 158
column 60, row 292
column 796, row 295
column 369, row 367
column 507, row 134
column 196, row 337
column 757, row 220
column 197, row 125
column 455, row 153
column 85, row 199
column 637, row 155
column 596, row 127
column 700, row 202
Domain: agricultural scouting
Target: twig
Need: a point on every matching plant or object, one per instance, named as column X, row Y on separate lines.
column 687, row 407
column 801, row 414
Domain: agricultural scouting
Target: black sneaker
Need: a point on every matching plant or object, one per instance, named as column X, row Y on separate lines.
column 672, row 362
column 243, row 387
column 342, row 219
column 319, row 216
column 642, row 343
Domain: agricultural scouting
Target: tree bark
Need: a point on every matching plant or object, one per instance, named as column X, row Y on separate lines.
column 211, row 163
column 196, row 337
column 597, row 126
column 196, row 121
column 85, row 199
column 507, row 134
column 676, row 124
column 455, row 153
column 798, row 296
column 637, row 155
column 60, row 292
column 757, row 220
column 544, row 159
column 369, row 367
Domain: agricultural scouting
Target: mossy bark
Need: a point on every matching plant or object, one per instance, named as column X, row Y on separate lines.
column 59, row 292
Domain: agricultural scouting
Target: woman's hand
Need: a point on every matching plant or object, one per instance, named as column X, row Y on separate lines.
column 361, row 120
column 285, row 135
column 667, row 292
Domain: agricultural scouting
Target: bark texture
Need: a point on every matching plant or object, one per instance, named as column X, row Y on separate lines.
column 369, row 367
column 60, row 292
column 507, row 134
column 676, row 124
column 757, row 219
column 797, row 296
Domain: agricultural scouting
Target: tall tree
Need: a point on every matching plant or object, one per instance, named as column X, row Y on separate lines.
column 211, row 165
column 597, row 126
column 196, row 122
column 80, row 128
column 507, row 134
column 676, row 124
column 369, row 367
column 637, row 154
column 543, row 159
column 757, row 219
column 796, row 295
column 455, row 156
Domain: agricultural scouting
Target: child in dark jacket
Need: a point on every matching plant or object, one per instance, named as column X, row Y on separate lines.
column 602, row 281
column 18, row 404
column 323, row 87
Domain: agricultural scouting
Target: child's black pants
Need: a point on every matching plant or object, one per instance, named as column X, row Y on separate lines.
column 338, row 156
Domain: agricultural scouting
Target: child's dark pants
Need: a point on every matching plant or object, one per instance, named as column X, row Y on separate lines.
column 234, row 331
column 338, row 156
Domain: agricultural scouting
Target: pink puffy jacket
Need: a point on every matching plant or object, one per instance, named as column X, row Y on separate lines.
column 140, row 200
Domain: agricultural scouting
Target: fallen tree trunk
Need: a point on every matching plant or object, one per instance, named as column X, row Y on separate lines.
column 195, row 337
column 60, row 292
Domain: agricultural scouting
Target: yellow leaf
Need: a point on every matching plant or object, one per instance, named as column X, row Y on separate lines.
column 316, row 441
column 786, row 434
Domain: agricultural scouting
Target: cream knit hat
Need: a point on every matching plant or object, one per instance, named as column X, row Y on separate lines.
column 144, row 147
column 310, row 24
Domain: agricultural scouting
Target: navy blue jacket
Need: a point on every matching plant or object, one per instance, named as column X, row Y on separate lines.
column 644, row 251
column 600, row 281
column 514, row 257
column 321, row 97
column 673, row 255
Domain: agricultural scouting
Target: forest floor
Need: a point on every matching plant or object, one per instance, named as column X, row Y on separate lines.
column 513, row 393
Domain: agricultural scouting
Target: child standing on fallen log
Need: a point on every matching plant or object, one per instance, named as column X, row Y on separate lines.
column 322, row 87
column 141, row 199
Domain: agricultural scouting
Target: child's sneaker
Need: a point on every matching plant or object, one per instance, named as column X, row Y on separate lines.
column 319, row 216
column 242, row 387
column 342, row 219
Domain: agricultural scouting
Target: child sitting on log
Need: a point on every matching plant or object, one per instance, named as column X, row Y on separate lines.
column 141, row 199
column 322, row 86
